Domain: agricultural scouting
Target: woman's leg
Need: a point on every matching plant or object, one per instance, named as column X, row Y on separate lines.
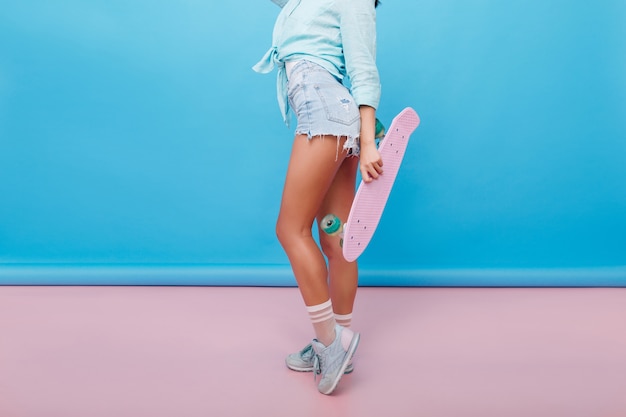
column 312, row 168
column 343, row 275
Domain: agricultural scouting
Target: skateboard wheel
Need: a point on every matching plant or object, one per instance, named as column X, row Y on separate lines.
column 380, row 130
column 331, row 225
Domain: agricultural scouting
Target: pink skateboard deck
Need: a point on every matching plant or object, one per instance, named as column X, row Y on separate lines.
column 371, row 198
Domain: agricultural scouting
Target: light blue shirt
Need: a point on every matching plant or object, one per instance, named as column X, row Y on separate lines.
column 339, row 35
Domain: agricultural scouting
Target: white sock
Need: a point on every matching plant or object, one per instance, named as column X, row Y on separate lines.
column 323, row 321
column 344, row 320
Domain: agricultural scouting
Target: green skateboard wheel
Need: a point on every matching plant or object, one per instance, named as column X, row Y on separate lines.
column 380, row 130
column 331, row 225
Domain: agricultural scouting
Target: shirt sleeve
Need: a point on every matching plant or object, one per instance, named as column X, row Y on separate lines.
column 358, row 35
column 280, row 3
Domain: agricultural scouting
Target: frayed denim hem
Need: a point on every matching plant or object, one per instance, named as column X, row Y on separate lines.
column 352, row 145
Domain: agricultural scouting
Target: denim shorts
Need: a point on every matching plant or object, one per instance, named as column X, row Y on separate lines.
column 323, row 106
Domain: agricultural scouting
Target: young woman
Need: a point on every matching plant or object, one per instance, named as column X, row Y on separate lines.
column 317, row 45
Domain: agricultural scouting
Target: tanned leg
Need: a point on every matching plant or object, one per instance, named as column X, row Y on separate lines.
column 312, row 169
column 343, row 275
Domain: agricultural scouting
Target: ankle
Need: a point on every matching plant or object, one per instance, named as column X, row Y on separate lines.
column 344, row 320
column 346, row 338
column 323, row 321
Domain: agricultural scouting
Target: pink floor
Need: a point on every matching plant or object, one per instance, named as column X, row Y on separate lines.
column 185, row 351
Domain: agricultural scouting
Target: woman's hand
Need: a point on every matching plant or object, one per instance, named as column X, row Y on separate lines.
column 371, row 163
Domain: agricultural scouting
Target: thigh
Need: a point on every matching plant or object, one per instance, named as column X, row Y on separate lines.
column 338, row 200
column 312, row 167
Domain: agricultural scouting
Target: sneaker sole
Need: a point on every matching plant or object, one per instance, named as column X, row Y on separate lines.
column 344, row 365
column 348, row 370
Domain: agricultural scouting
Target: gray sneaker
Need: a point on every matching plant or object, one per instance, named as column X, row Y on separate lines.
column 331, row 361
column 303, row 361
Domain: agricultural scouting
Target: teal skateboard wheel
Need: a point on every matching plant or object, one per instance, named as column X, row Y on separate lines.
column 331, row 225
column 380, row 130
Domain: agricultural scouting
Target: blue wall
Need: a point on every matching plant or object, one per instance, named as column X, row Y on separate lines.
column 137, row 145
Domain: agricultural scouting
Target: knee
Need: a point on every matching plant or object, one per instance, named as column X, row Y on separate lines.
column 288, row 233
column 282, row 232
column 331, row 246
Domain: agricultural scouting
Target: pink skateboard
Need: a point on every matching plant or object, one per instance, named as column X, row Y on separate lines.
column 370, row 199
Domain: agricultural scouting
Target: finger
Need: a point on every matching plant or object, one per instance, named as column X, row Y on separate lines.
column 375, row 167
column 365, row 175
column 373, row 172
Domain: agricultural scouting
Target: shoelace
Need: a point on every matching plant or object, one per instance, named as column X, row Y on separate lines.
column 305, row 352
column 317, row 366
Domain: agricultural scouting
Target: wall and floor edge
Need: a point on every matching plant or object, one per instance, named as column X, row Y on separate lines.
column 281, row 275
